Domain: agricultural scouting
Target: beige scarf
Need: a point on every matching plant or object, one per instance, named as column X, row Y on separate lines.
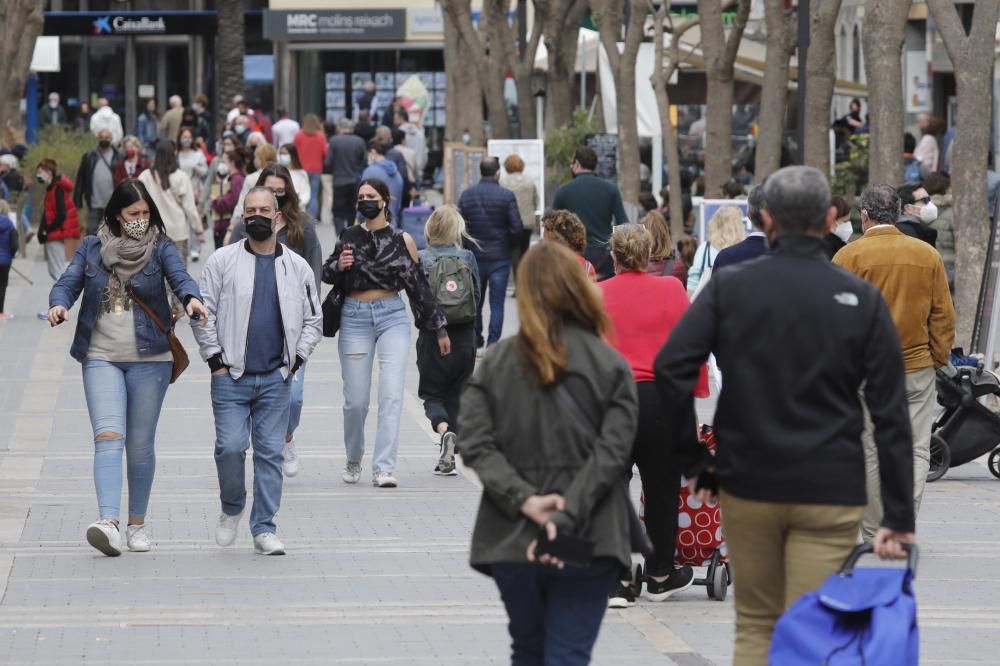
column 124, row 256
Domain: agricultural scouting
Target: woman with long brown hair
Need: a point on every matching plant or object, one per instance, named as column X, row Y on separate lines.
column 296, row 230
column 554, row 411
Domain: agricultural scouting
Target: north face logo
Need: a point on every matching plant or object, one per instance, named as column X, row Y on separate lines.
column 846, row 298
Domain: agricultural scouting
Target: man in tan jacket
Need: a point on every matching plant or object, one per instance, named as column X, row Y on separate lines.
column 912, row 279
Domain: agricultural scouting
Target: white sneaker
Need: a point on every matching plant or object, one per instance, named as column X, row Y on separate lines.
column 195, row 256
column 105, row 536
column 352, row 473
column 290, row 459
column 138, row 539
column 228, row 527
column 266, row 543
column 384, row 480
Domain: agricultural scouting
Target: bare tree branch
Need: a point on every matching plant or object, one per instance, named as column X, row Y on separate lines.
column 736, row 34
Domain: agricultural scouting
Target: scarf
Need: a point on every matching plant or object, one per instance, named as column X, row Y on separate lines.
column 124, row 256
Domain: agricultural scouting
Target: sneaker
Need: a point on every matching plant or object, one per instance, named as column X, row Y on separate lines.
column 138, row 539
column 446, row 463
column 680, row 579
column 227, row 529
column 195, row 256
column 28, row 236
column 5, row 315
column 105, row 536
column 266, row 543
column 352, row 473
column 290, row 459
column 384, row 480
column 623, row 597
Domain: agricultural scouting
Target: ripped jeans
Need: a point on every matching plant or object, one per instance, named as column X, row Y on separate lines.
column 124, row 399
column 368, row 328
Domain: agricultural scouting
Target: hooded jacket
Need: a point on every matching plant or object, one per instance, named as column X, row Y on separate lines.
column 106, row 118
column 387, row 172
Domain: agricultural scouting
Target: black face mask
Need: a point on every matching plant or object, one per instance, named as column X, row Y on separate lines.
column 281, row 200
column 370, row 208
column 104, row 144
column 258, row 227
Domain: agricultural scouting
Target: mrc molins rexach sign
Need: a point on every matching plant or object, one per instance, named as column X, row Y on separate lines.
column 348, row 24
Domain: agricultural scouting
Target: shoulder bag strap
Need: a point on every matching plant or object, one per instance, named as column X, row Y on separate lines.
column 146, row 308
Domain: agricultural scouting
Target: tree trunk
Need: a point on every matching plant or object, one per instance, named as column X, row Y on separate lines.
column 20, row 25
column 664, row 67
column 230, row 47
column 720, row 56
column 561, row 29
column 608, row 16
column 521, row 61
column 882, row 40
column 486, row 65
column 972, row 57
column 774, row 94
column 820, row 71
column 462, row 111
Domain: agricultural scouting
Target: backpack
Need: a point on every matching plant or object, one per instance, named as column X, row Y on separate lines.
column 453, row 286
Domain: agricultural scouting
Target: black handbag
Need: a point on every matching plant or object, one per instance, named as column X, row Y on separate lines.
column 331, row 312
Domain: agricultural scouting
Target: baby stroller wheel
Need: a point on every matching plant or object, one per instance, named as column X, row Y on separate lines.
column 994, row 462
column 940, row 459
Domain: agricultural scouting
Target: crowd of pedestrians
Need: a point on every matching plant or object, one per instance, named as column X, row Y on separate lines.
column 620, row 327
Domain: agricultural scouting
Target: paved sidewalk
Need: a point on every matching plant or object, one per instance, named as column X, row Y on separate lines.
column 371, row 576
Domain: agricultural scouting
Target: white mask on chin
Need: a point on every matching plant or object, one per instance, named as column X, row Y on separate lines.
column 844, row 230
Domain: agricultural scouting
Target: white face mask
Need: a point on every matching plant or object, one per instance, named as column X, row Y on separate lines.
column 223, row 169
column 466, row 138
column 285, row 160
column 928, row 213
column 843, row 231
column 135, row 228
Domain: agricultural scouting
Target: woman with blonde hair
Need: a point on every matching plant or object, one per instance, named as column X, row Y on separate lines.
column 311, row 143
column 661, row 254
column 453, row 275
column 562, row 226
column 644, row 308
column 552, row 410
column 726, row 228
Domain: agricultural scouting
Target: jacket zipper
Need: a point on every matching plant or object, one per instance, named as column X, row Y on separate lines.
column 309, row 296
column 246, row 330
column 281, row 311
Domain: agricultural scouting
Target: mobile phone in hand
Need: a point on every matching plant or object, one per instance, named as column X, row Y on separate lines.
column 574, row 551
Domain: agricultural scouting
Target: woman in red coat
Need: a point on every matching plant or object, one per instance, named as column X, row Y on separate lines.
column 59, row 227
column 644, row 308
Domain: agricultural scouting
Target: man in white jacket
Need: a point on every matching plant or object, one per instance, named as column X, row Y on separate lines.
column 264, row 322
column 106, row 118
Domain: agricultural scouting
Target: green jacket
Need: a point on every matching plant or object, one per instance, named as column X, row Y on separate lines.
column 598, row 204
column 521, row 440
column 944, row 225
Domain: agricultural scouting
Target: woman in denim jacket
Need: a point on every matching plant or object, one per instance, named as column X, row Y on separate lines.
column 126, row 357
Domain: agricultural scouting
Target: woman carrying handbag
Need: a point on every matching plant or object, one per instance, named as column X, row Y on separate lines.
column 127, row 354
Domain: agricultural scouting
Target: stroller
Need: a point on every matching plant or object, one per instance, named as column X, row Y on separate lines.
column 700, row 542
column 966, row 429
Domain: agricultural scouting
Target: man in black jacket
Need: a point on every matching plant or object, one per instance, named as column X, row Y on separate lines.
column 918, row 211
column 790, row 463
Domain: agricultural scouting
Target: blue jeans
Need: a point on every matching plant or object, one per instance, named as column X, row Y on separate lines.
column 124, row 398
column 493, row 273
column 257, row 406
column 315, row 195
column 367, row 327
column 295, row 401
column 554, row 614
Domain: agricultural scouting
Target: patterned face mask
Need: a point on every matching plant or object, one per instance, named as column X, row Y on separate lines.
column 136, row 228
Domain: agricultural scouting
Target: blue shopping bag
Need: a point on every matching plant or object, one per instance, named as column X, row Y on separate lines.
column 858, row 616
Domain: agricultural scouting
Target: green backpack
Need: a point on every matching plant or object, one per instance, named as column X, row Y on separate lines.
column 453, row 286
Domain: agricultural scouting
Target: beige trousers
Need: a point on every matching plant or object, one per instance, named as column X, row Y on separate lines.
column 921, row 397
column 778, row 552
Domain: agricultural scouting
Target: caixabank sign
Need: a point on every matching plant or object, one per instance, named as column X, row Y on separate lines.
column 121, row 24
column 339, row 25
